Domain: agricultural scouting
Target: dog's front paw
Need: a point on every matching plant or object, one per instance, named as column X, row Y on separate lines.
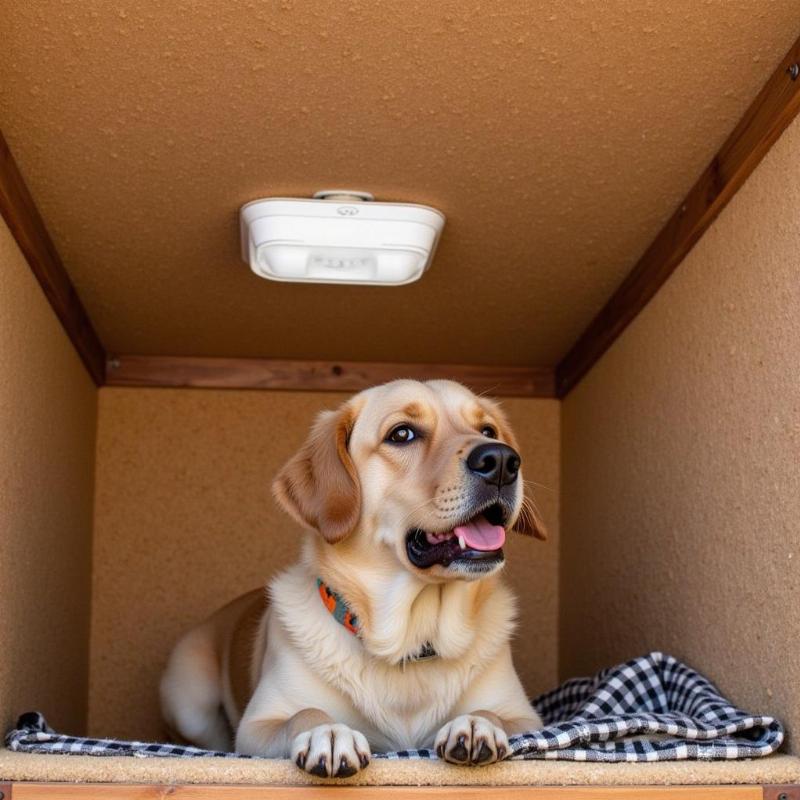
column 330, row 751
column 471, row 740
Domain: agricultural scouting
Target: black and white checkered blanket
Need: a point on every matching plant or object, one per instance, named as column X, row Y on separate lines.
column 607, row 717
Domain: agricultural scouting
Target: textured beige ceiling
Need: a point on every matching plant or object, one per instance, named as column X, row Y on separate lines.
column 557, row 138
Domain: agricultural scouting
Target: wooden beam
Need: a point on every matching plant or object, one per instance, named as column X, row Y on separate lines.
column 767, row 117
column 325, row 376
column 28, row 228
column 122, row 791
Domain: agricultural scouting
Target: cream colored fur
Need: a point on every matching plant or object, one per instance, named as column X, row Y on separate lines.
column 323, row 696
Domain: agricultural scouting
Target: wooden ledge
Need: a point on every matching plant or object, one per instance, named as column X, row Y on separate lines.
column 117, row 791
column 318, row 376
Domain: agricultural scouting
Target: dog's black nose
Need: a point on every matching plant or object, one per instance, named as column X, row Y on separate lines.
column 498, row 464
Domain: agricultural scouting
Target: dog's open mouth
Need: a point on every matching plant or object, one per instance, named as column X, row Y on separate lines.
column 479, row 539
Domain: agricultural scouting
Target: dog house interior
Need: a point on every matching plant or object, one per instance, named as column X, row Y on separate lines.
column 619, row 266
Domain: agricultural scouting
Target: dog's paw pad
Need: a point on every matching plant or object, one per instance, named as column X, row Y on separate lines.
column 471, row 739
column 459, row 752
column 331, row 751
column 346, row 769
column 320, row 769
column 484, row 752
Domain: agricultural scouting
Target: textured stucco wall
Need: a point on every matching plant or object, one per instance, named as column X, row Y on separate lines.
column 681, row 467
column 184, row 521
column 48, row 407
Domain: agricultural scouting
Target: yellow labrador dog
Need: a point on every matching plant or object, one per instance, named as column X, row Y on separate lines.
column 392, row 631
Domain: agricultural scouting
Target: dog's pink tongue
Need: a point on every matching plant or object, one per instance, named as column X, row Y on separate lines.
column 480, row 534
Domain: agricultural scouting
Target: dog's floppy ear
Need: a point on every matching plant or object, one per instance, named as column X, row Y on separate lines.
column 319, row 485
column 529, row 522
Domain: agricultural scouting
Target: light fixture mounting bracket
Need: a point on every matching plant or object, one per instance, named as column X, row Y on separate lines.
column 344, row 195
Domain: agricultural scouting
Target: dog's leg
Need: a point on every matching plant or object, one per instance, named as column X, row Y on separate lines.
column 311, row 739
column 481, row 737
column 191, row 692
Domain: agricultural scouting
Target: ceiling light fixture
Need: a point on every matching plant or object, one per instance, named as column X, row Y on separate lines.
column 339, row 236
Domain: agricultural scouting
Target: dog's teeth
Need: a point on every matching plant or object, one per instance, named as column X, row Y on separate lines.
column 461, row 543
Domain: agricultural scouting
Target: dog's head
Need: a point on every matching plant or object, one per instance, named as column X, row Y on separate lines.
column 429, row 471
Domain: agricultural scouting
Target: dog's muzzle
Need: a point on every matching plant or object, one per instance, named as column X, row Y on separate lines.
column 477, row 540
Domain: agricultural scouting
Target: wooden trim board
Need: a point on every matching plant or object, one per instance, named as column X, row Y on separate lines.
column 28, row 228
column 768, row 116
column 340, row 376
column 121, row 791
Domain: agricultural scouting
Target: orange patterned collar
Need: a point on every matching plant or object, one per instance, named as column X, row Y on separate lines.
column 341, row 612
column 338, row 608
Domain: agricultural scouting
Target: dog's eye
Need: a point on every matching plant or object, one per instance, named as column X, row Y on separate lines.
column 489, row 432
column 401, row 434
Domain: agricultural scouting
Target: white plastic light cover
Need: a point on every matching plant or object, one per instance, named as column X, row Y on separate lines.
column 336, row 241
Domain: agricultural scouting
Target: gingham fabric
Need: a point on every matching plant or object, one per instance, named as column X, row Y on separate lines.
column 652, row 708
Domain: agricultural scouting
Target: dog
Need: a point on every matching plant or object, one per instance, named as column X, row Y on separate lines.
column 393, row 630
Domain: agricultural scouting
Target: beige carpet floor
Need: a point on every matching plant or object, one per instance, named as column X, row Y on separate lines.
column 776, row 769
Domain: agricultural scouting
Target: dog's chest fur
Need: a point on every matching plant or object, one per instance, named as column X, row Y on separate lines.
column 398, row 705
